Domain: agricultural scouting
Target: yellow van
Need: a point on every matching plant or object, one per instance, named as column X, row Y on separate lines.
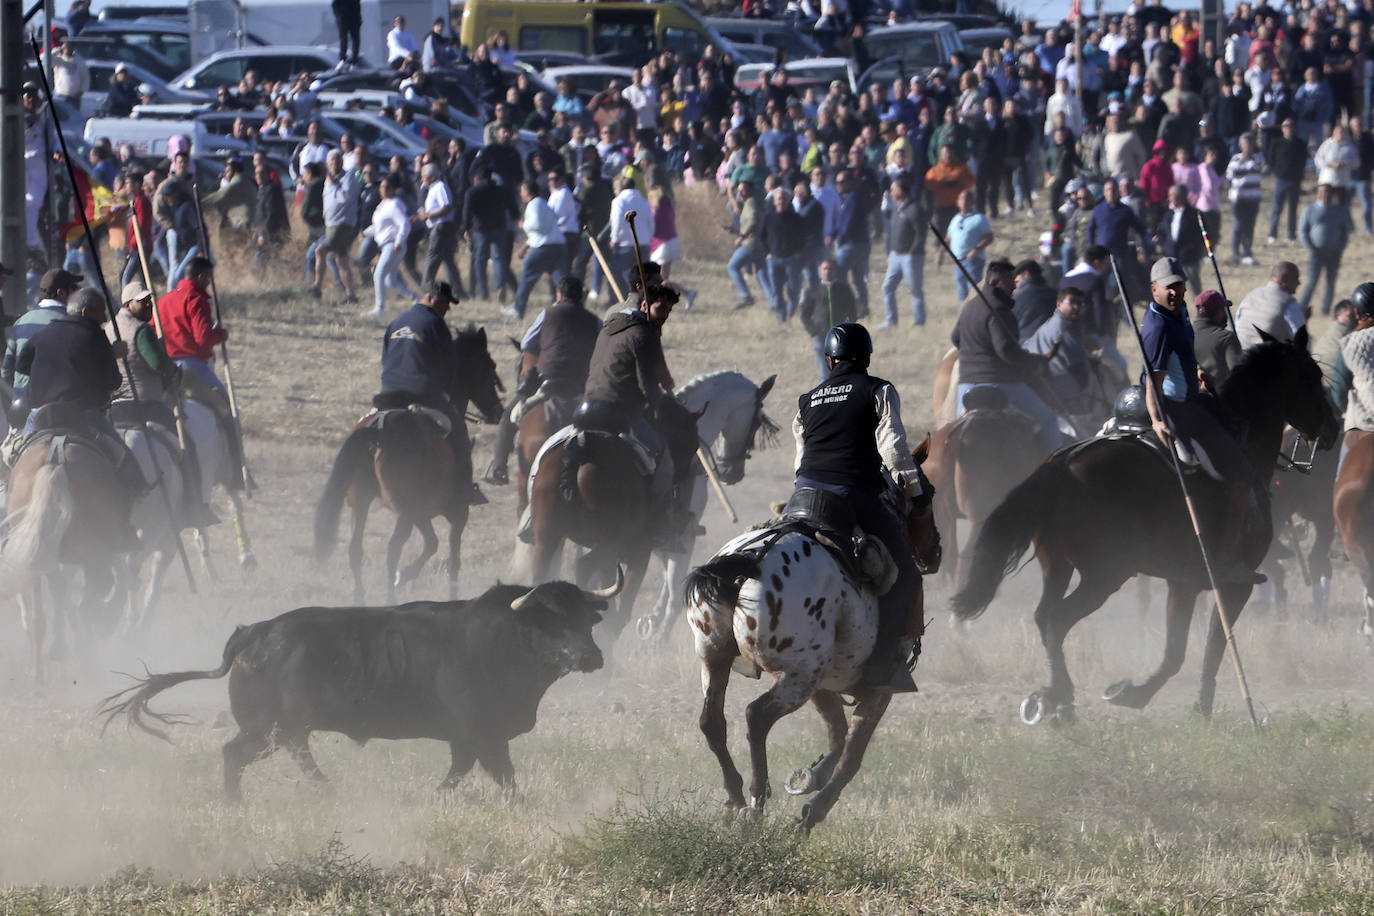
column 614, row 31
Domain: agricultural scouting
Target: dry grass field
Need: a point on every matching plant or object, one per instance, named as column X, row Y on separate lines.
column 959, row 808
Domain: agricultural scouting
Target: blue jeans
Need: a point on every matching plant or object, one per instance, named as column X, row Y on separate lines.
column 1319, row 262
column 818, row 348
column 974, row 263
column 1023, row 398
column 311, row 253
column 1285, row 191
column 1243, row 235
column 810, row 264
column 546, row 259
column 1366, row 205
column 852, row 259
column 910, row 268
column 624, row 266
column 744, row 258
column 878, row 521
column 180, row 269
column 784, row 281
column 205, row 371
column 487, row 248
column 388, row 273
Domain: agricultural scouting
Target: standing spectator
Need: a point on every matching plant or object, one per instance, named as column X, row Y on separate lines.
column 312, row 214
column 642, row 96
column 594, row 211
column 1061, row 165
column 1156, row 178
column 1178, row 236
column 1245, row 172
column 543, row 252
column 270, row 226
column 852, row 246
column 441, row 229
column 992, row 156
column 906, row 254
column 122, row 95
column 825, row 304
column 1363, row 141
column 341, row 194
column 813, row 218
column 564, row 206
column 1110, row 225
column 348, row 16
column 389, row 229
column 1325, row 231
column 1208, row 199
column 781, row 239
column 1336, row 160
column 1313, row 106
column 968, row 236
column 747, row 252
column 400, row 44
column 622, row 256
column 945, row 181
column 1288, row 162
column 1018, row 174
column 665, row 247
column 1122, row 151
column 486, row 226
column 71, row 78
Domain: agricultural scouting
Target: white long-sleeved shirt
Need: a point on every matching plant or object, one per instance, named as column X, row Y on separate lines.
column 540, row 225
column 436, row 198
column 564, row 207
column 626, row 201
column 390, row 223
column 400, row 43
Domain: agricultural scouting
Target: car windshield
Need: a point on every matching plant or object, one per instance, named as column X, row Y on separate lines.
column 916, row 49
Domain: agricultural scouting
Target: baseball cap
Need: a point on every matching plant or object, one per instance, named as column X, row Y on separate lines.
column 146, row 89
column 1166, row 272
column 1212, row 304
column 1159, row 145
column 134, row 291
column 442, row 290
column 56, row 279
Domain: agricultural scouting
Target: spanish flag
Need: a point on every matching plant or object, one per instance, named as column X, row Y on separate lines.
column 96, row 199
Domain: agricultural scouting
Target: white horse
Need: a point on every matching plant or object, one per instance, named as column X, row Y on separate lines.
column 217, row 467
column 781, row 603
column 158, row 518
column 733, row 424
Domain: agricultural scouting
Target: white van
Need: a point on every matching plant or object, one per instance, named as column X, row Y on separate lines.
column 149, row 136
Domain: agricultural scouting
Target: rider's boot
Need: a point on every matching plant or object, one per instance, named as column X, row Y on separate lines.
column 889, row 664
column 196, row 513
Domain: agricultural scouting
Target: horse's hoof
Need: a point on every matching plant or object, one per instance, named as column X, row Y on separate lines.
column 801, row 782
column 248, row 562
column 1118, row 693
column 644, row 627
column 1033, row 709
column 1064, row 714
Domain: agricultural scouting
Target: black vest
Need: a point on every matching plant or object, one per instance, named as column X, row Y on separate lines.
column 838, row 425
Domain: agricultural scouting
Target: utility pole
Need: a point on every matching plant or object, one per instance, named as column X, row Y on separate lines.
column 13, row 243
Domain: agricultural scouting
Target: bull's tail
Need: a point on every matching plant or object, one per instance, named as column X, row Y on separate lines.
column 717, row 582
column 353, row 458
column 1007, row 534
column 133, row 701
column 34, row 539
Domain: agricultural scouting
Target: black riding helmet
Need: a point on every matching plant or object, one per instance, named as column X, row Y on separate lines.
column 1363, row 300
column 849, row 340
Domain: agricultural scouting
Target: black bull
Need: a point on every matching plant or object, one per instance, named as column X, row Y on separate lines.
column 471, row 673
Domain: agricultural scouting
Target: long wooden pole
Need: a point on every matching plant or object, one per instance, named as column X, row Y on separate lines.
column 178, row 409
column 1192, row 509
column 605, row 268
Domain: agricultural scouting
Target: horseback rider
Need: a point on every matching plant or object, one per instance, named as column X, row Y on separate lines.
column 149, row 375
column 56, row 288
column 628, row 384
column 848, row 429
column 1352, row 378
column 1191, row 411
column 560, row 340
column 70, row 362
column 190, row 332
column 990, row 356
column 419, row 363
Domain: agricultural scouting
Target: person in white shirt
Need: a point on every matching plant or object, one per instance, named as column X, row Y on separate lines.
column 400, row 44
column 544, row 252
column 341, row 196
column 1114, row 40
column 442, row 229
column 314, row 149
column 642, row 94
column 71, row 78
column 389, row 230
column 627, row 200
column 564, row 206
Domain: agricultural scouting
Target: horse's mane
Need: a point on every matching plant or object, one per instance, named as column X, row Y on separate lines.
column 1258, row 366
column 705, row 377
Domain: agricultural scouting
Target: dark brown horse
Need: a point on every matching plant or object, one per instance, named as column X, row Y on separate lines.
column 600, row 498
column 405, row 462
column 1306, row 494
column 67, row 511
column 974, row 463
column 1111, row 508
column 1353, row 508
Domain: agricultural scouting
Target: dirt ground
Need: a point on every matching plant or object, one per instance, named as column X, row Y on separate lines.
column 80, row 807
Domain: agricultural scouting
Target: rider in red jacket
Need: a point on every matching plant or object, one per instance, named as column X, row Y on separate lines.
column 188, row 323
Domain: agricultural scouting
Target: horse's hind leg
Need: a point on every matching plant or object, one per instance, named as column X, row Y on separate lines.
column 1055, row 617
column 361, row 505
column 457, row 521
column 787, row 694
column 715, row 676
column 399, row 535
column 866, row 717
column 810, row 779
column 429, row 544
column 1181, row 600
column 1234, row 598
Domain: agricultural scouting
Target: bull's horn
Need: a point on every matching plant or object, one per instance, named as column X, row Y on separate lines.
column 611, row 591
column 519, row 603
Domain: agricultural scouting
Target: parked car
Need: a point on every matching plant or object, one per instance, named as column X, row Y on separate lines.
column 169, row 40
column 587, row 79
column 770, row 32
column 975, row 40
column 920, row 45
column 271, row 63
column 149, row 136
column 102, row 74
column 109, row 46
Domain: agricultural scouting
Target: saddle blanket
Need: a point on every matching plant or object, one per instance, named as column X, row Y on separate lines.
column 377, row 417
column 1190, row 454
column 642, row 456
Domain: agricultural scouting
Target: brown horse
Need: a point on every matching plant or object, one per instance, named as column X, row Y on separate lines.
column 1307, row 494
column 974, row 463
column 1352, row 504
column 600, row 498
column 1111, row 508
column 405, row 462
column 67, row 509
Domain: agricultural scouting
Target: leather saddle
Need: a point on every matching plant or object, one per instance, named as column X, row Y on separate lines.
column 981, row 403
column 829, row 521
column 57, row 424
column 1131, row 420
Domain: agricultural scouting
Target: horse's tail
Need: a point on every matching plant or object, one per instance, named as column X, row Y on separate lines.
column 1006, row 534
column 133, row 701
column 355, row 454
column 33, row 543
column 717, row 582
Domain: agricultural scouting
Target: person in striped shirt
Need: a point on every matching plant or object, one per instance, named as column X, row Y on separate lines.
column 1244, row 173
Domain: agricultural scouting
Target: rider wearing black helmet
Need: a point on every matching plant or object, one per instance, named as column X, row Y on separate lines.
column 1352, row 383
column 848, row 429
